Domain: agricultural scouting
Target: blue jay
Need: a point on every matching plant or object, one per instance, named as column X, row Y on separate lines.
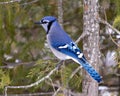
column 63, row 46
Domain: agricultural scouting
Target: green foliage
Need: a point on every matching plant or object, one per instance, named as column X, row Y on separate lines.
column 19, row 73
column 68, row 82
column 118, row 58
column 41, row 69
column 4, row 79
column 116, row 22
column 25, row 41
column 117, row 6
column 76, row 83
column 65, row 75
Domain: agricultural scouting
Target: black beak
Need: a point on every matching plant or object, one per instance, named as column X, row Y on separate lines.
column 38, row 22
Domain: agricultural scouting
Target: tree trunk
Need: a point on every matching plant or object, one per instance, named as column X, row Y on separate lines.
column 91, row 44
column 60, row 12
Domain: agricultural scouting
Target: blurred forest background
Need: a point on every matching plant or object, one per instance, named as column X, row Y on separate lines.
column 26, row 58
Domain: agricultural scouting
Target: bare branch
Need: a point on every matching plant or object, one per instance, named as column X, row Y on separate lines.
column 75, row 71
column 13, row 1
column 117, row 74
column 32, row 94
column 52, row 84
column 110, row 26
column 81, row 37
column 56, row 92
column 33, row 84
column 8, row 2
column 114, row 41
column 34, row 1
column 13, row 65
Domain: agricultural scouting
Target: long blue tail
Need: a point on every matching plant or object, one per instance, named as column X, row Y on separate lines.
column 91, row 71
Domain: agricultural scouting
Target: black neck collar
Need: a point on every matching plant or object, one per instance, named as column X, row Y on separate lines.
column 49, row 25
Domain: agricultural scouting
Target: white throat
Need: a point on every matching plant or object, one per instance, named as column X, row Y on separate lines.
column 45, row 26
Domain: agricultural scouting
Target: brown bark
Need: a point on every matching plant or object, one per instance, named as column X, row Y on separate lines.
column 91, row 44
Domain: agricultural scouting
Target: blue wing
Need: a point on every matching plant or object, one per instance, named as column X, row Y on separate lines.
column 74, row 52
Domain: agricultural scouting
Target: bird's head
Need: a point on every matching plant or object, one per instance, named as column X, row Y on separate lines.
column 47, row 22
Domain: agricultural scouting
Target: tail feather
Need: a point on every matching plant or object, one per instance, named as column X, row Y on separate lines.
column 91, row 71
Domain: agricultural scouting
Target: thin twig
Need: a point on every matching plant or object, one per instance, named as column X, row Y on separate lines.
column 81, row 37
column 33, row 94
column 114, row 41
column 27, row 3
column 106, row 23
column 56, row 92
column 13, row 1
column 75, row 71
column 8, row 2
column 105, row 14
column 52, row 84
column 114, row 29
column 117, row 74
column 13, row 65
